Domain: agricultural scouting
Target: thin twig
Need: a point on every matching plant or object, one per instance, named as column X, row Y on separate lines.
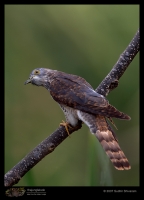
column 50, row 143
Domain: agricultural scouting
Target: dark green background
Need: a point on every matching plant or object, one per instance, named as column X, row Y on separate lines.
column 86, row 40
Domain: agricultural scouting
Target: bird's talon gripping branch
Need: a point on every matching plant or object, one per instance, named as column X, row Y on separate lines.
column 66, row 125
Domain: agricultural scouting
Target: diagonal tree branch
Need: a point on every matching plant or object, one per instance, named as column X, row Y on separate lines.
column 111, row 80
column 47, row 146
column 37, row 154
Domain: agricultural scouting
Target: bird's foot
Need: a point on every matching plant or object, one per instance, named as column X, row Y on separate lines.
column 66, row 125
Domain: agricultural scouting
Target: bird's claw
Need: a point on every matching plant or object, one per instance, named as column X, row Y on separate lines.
column 66, row 125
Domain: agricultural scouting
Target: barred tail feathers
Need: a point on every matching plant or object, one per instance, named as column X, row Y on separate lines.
column 99, row 127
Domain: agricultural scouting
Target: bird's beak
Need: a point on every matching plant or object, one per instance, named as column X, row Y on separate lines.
column 28, row 81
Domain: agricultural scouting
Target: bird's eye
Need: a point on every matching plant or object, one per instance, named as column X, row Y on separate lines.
column 36, row 72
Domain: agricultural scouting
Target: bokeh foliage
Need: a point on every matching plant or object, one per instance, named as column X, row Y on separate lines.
column 80, row 39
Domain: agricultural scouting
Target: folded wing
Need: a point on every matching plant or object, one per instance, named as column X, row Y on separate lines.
column 75, row 92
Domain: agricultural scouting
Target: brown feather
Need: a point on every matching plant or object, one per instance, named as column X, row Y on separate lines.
column 75, row 92
column 110, row 144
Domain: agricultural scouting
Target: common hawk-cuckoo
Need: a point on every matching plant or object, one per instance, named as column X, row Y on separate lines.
column 79, row 101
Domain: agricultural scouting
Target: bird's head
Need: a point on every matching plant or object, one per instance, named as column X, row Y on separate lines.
column 38, row 76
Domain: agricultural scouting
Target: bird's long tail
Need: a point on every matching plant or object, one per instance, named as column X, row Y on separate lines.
column 110, row 144
column 99, row 127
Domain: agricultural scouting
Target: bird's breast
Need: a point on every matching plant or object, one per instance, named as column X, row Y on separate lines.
column 70, row 114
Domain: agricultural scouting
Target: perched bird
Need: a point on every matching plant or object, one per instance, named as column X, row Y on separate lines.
column 79, row 101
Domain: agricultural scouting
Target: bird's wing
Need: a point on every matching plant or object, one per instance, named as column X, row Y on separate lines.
column 74, row 91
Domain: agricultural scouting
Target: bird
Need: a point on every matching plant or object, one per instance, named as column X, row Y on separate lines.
column 80, row 102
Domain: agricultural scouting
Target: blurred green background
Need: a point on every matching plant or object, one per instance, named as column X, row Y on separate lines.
column 86, row 40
